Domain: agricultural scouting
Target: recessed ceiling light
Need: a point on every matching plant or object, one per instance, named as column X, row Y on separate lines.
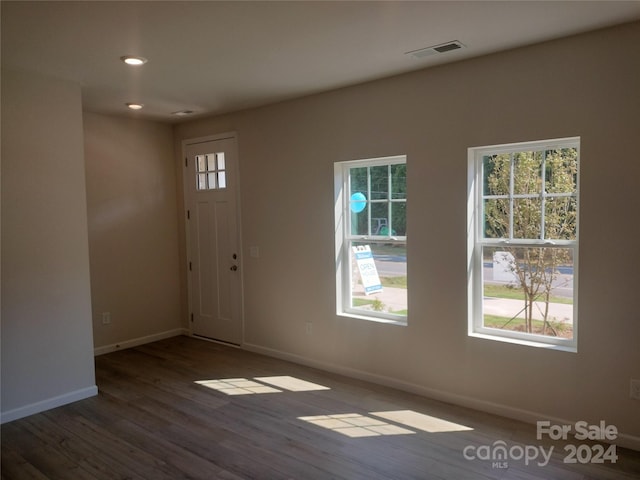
column 182, row 113
column 131, row 60
column 135, row 106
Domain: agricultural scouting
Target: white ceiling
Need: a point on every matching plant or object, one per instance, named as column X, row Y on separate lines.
column 215, row 57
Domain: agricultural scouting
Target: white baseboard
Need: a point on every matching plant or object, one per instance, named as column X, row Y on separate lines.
column 48, row 404
column 134, row 342
column 627, row 441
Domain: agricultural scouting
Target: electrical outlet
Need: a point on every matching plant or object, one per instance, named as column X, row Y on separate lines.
column 106, row 318
column 635, row 389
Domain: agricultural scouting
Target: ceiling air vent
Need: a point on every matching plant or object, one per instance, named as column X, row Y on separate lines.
column 436, row 49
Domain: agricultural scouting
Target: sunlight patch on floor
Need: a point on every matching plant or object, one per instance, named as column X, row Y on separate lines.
column 237, row 386
column 355, row 425
column 420, row 421
column 246, row 386
column 291, row 383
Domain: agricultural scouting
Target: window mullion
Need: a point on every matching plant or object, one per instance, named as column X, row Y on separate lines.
column 389, row 189
column 512, row 167
column 543, row 195
column 369, row 200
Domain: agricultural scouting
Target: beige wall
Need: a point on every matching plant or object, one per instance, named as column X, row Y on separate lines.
column 133, row 231
column 47, row 346
column 583, row 86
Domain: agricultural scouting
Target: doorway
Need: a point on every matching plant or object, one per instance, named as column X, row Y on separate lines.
column 213, row 238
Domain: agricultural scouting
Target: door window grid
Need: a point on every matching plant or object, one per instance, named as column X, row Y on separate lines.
column 211, row 171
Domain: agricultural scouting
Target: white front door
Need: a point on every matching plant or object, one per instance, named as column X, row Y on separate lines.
column 215, row 280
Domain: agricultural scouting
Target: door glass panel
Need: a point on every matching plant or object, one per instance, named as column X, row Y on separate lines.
column 202, row 181
column 220, row 158
column 211, row 162
column 201, row 165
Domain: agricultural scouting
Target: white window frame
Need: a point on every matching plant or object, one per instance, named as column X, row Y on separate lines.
column 475, row 243
column 344, row 239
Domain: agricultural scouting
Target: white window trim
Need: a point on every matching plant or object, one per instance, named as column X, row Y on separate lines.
column 475, row 242
column 342, row 254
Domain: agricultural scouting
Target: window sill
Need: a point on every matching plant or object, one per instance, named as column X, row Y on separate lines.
column 400, row 323
column 526, row 343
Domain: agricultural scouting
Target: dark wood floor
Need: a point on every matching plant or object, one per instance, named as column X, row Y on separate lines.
column 152, row 420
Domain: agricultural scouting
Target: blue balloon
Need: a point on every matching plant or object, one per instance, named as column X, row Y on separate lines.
column 358, row 202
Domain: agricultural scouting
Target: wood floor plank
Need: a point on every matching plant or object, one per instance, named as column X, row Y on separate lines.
column 154, row 419
column 16, row 467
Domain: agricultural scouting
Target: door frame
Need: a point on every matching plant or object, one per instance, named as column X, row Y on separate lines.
column 185, row 186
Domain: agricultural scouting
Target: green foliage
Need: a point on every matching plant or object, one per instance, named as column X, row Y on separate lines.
column 377, row 305
column 517, row 188
column 396, row 282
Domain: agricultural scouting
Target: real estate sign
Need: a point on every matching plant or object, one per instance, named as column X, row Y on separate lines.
column 367, row 269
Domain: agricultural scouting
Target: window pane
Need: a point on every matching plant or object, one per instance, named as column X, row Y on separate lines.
column 561, row 172
column 496, row 218
column 212, row 180
column 201, row 163
column 379, row 182
column 202, row 181
column 527, row 173
column 399, row 181
column 529, row 290
column 220, row 158
column 358, row 180
column 360, row 221
column 211, row 162
column 399, row 219
column 380, row 218
column 391, row 267
column 527, row 218
column 222, row 180
column 496, row 176
column 560, row 215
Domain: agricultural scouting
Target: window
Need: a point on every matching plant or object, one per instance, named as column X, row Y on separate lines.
column 523, row 242
column 211, row 171
column 371, row 238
